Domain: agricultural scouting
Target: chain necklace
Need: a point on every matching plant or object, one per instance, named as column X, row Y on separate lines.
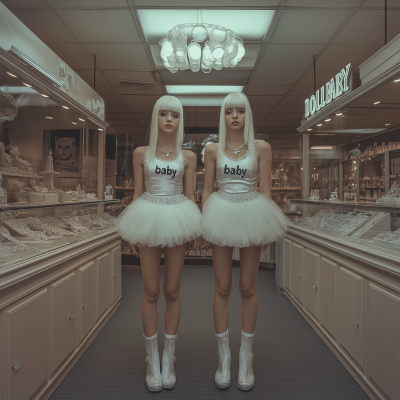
column 167, row 153
column 235, row 151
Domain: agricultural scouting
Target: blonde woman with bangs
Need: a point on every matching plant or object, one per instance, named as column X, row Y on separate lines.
column 238, row 216
column 163, row 217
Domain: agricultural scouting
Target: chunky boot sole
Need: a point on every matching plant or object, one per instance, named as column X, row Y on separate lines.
column 223, row 387
column 169, row 387
column 154, row 390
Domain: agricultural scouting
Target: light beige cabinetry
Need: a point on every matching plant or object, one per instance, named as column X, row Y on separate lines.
column 87, row 298
column 24, row 346
column 351, row 315
column 48, row 318
column 310, row 282
column 296, row 257
column 384, row 345
column 353, row 303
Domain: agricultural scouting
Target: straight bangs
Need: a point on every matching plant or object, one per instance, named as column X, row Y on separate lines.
column 237, row 100
column 166, row 103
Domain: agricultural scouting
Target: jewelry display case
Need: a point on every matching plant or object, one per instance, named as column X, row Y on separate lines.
column 28, row 230
column 361, row 224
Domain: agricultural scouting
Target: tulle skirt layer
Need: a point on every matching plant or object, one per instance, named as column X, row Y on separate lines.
column 242, row 224
column 144, row 223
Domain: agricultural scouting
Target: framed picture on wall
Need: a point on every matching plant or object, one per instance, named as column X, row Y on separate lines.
column 66, row 145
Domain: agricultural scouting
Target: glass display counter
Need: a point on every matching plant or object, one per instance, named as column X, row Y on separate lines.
column 360, row 223
column 27, row 230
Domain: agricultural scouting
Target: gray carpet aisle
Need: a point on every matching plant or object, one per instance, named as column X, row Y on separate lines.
column 290, row 360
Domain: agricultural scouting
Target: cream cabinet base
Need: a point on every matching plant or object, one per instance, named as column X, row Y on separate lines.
column 51, row 308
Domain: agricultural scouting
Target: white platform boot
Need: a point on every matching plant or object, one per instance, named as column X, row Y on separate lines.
column 153, row 375
column 168, row 359
column 246, row 374
column 223, row 374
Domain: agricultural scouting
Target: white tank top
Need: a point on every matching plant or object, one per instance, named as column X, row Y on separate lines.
column 164, row 178
column 237, row 176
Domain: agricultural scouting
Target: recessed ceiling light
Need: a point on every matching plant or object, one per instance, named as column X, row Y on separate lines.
column 194, row 101
column 319, row 124
column 321, row 147
column 387, row 124
column 49, row 117
column 81, row 119
column 339, row 113
column 377, row 102
column 202, row 89
column 99, row 129
column 397, row 80
column 26, row 84
column 44, row 95
column 67, row 108
column 327, row 120
column 309, row 129
column 74, row 122
column 9, row 73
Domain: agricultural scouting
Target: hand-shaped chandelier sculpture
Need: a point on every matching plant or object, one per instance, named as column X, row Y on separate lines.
column 222, row 50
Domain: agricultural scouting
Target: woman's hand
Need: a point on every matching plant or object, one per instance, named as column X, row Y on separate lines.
column 135, row 250
column 263, row 247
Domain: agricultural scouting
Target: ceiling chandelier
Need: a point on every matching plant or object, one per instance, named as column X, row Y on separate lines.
column 222, row 49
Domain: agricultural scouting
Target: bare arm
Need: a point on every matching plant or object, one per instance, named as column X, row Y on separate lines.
column 264, row 154
column 188, row 179
column 138, row 158
column 210, row 163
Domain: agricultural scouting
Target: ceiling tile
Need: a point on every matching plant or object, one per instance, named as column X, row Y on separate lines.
column 292, row 100
column 118, row 115
column 88, row 76
column 264, row 100
column 143, row 117
column 201, row 110
column 250, row 57
column 261, row 109
column 14, row 4
column 111, row 99
column 273, row 123
column 282, row 117
column 102, row 25
column 275, row 78
column 308, row 26
column 154, row 89
column 115, row 76
column 81, row 4
column 136, row 108
column 122, row 122
column 129, row 129
column 140, row 99
column 288, row 109
column 322, row 77
column 337, row 56
column 223, row 77
column 302, row 90
column 115, row 108
column 72, row 54
column 288, row 57
column 271, row 90
column 120, row 56
column 322, row 3
column 104, row 89
column 206, row 3
column 46, row 24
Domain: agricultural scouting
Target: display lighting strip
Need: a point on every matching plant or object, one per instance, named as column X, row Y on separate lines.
column 36, row 67
column 222, row 50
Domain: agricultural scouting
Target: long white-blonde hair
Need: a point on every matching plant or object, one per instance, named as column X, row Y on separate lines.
column 237, row 100
column 167, row 103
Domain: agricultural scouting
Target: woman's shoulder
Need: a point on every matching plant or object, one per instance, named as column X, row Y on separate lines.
column 139, row 153
column 212, row 148
column 189, row 156
column 262, row 147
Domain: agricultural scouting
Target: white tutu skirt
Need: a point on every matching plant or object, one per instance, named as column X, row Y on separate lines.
column 242, row 224
column 165, row 225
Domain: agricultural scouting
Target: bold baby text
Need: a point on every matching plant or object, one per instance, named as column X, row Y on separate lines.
column 233, row 171
column 166, row 171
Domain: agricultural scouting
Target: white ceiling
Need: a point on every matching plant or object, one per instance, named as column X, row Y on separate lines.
column 277, row 71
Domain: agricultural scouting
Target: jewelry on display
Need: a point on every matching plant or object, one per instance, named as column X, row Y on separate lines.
column 3, row 193
column 17, row 248
column 50, row 164
column 235, row 151
column 167, row 153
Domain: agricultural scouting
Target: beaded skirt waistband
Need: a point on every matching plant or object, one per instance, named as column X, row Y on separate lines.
column 238, row 197
column 169, row 200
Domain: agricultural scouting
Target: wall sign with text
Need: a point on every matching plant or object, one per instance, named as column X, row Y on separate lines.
column 328, row 92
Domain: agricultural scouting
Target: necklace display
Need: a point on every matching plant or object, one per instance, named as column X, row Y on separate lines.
column 167, row 153
column 17, row 248
column 235, row 151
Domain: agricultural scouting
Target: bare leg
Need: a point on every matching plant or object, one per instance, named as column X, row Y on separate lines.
column 150, row 261
column 222, row 260
column 249, row 262
column 174, row 258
